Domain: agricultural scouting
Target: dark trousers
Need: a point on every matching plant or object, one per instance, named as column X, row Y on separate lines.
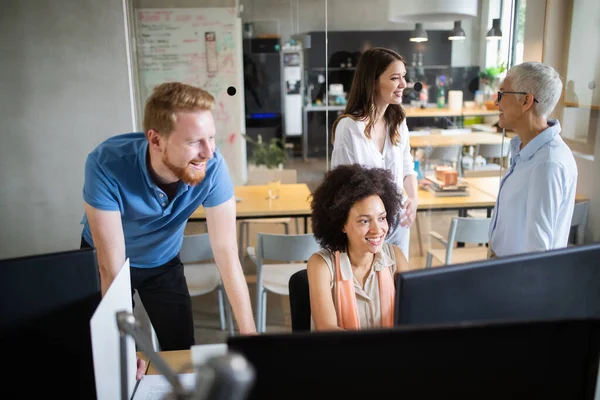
column 167, row 301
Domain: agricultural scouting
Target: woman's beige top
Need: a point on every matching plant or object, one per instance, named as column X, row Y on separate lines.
column 367, row 298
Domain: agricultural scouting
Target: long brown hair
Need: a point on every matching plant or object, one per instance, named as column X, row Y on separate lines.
column 361, row 105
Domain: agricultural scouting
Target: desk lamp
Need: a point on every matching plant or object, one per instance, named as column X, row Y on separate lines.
column 226, row 377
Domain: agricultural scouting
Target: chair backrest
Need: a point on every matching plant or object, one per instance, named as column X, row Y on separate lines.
column 493, row 150
column 579, row 219
column 445, row 153
column 480, row 173
column 264, row 176
column 456, row 131
column 467, row 230
column 419, row 133
column 286, row 248
column 195, row 248
column 300, row 301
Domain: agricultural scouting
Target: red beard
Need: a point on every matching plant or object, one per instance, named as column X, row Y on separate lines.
column 186, row 174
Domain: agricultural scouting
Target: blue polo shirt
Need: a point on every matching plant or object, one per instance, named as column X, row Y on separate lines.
column 117, row 179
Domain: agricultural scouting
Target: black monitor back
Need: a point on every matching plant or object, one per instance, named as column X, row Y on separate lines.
column 47, row 303
column 541, row 360
column 557, row 284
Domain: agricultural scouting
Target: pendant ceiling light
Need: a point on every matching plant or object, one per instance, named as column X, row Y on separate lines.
column 495, row 33
column 431, row 10
column 419, row 34
column 458, row 33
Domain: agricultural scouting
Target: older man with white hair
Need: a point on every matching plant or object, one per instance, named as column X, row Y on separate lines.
column 537, row 195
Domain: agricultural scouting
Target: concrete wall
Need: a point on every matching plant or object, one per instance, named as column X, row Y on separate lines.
column 65, row 87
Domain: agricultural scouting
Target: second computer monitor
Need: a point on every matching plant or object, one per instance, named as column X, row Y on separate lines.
column 556, row 284
column 47, row 303
column 499, row 360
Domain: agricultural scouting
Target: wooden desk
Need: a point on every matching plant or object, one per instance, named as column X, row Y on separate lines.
column 491, row 186
column 412, row 112
column 488, row 184
column 293, row 202
column 179, row 360
column 466, row 139
column 476, row 199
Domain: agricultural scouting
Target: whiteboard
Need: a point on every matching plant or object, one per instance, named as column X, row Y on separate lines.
column 172, row 46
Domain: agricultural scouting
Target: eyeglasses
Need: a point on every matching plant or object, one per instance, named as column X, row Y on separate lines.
column 500, row 94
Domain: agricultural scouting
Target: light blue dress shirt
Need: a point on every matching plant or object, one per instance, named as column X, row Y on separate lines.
column 536, row 197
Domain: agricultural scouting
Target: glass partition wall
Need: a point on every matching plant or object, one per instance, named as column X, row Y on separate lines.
column 282, row 71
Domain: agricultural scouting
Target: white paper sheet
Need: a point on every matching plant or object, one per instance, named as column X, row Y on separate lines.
column 156, row 387
column 202, row 352
column 105, row 339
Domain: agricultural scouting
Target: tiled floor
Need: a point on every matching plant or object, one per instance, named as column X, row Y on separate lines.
column 205, row 307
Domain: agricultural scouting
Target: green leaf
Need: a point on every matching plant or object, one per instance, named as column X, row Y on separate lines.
column 270, row 154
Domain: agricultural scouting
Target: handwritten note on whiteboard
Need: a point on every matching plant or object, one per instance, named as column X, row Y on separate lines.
column 200, row 47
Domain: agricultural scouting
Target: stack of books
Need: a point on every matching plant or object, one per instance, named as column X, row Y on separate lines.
column 440, row 189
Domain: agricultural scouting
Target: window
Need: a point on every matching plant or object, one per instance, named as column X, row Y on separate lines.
column 518, row 33
column 581, row 103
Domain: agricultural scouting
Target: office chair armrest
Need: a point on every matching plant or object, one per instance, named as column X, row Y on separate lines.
column 439, row 237
column 252, row 254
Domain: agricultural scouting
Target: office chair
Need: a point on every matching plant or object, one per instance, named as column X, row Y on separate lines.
column 466, row 230
column 203, row 277
column 262, row 177
column 294, row 251
column 579, row 220
column 300, row 301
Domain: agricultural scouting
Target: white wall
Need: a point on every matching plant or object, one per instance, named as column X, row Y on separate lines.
column 535, row 17
column 65, row 88
column 565, row 42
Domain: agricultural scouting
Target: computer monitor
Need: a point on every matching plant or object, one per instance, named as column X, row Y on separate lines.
column 556, row 284
column 47, row 303
column 498, row 360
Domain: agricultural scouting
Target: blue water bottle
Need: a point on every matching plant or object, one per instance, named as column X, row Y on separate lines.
column 417, row 167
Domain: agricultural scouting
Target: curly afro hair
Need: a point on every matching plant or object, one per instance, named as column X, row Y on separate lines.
column 341, row 188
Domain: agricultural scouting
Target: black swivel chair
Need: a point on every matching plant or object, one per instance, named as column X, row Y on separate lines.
column 300, row 301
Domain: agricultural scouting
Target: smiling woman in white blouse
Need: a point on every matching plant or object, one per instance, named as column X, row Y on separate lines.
column 372, row 130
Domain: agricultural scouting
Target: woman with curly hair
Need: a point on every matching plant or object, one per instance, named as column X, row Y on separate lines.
column 351, row 278
column 372, row 130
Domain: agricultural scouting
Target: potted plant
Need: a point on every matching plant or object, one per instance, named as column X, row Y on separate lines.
column 269, row 154
column 489, row 79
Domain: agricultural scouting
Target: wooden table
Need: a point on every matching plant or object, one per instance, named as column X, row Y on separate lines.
column 464, row 139
column 293, row 202
column 488, row 184
column 491, row 186
column 180, row 361
column 476, row 199
column 429, row 112
column 411, row 112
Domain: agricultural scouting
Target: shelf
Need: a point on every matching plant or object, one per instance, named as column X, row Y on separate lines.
column 332, row 69
column 428, row 67
column 354, row 68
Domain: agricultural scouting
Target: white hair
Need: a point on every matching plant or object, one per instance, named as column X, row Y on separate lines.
column 540, row 80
